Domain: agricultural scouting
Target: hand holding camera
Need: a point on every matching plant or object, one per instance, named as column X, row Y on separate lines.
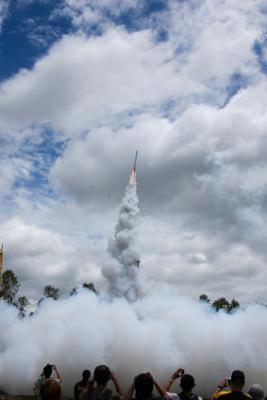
column 178, row 373
column 225, row 383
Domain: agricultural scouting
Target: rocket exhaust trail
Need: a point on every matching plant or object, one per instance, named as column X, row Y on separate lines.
column 132, row 179
column 121, row 270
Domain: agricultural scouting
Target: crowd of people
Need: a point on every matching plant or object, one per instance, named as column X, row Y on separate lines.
column 143, row 387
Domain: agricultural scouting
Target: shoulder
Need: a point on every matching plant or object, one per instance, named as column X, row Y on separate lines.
column 224, row 394
column 77, row 384
column 172, row 396
column 56, row 380
column 40, row 379
column 168, row 396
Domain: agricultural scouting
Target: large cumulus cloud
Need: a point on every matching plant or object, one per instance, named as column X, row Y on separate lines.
column 201, row 137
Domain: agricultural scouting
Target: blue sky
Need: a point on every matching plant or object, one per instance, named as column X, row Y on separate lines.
column 31, row 27
column 18, row 47
column 83, row 85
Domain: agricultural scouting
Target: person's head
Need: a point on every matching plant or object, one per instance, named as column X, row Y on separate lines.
column 50, row 390
column 237, row 380
column 256, row 392
column 143, row 385
column 86, row 375
column 187, row 383
column 47, row 371
column 102, row 374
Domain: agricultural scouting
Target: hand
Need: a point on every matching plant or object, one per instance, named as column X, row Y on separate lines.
column 178, row 373
column 224, row 383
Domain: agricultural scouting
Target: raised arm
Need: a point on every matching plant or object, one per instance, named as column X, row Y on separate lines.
column 160, row 389
column 177, row 374
column 129, row 394
column 116, row 383
column 57, row 373
column 222, row 385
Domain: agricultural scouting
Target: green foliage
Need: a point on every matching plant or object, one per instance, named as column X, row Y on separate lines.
column 22, row 305
column 204, row 297
column 51, row 292
column 223, row 304
column 10, row 286
column 233, row 305
column 73, row 291
column 89, row 286
column 220, row 304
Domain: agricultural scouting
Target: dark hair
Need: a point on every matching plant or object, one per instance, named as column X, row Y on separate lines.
column 237, row 378
column 47, row 371
column 187, row 382
column 102, row 374
column 86, row 374
column 143, row 385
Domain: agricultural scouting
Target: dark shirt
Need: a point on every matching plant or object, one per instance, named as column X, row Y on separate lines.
column 152, row 398
column 235, row 396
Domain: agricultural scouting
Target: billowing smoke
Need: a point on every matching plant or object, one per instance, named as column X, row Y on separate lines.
column 158, row 333
column 122, row 271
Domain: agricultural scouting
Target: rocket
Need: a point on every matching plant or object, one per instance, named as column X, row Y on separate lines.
column 132, row 179
column 135, row 160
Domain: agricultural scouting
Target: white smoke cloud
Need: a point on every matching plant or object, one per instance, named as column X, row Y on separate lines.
column 159, row 332
column 122, row 273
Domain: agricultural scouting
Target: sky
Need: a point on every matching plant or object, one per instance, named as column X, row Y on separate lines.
column 86, row 83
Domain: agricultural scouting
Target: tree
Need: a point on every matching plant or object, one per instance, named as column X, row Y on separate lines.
column 22, row 305
column 233, row 305
column 10, row 286
column 89, row 286
column 204, row 297
column 221, row 303
column 51, row 292
column 73, row 291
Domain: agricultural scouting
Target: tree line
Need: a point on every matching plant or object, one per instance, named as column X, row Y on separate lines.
column 221, row 303
column 10, row 288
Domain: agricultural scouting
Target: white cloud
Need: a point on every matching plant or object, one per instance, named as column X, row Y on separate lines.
column 84, row 14
column 40, row 256
column 202, row 168
column 83, row 80
column 4, row 5
column 216, row 39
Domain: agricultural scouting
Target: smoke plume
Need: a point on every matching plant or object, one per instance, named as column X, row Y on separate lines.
column 122, row 271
